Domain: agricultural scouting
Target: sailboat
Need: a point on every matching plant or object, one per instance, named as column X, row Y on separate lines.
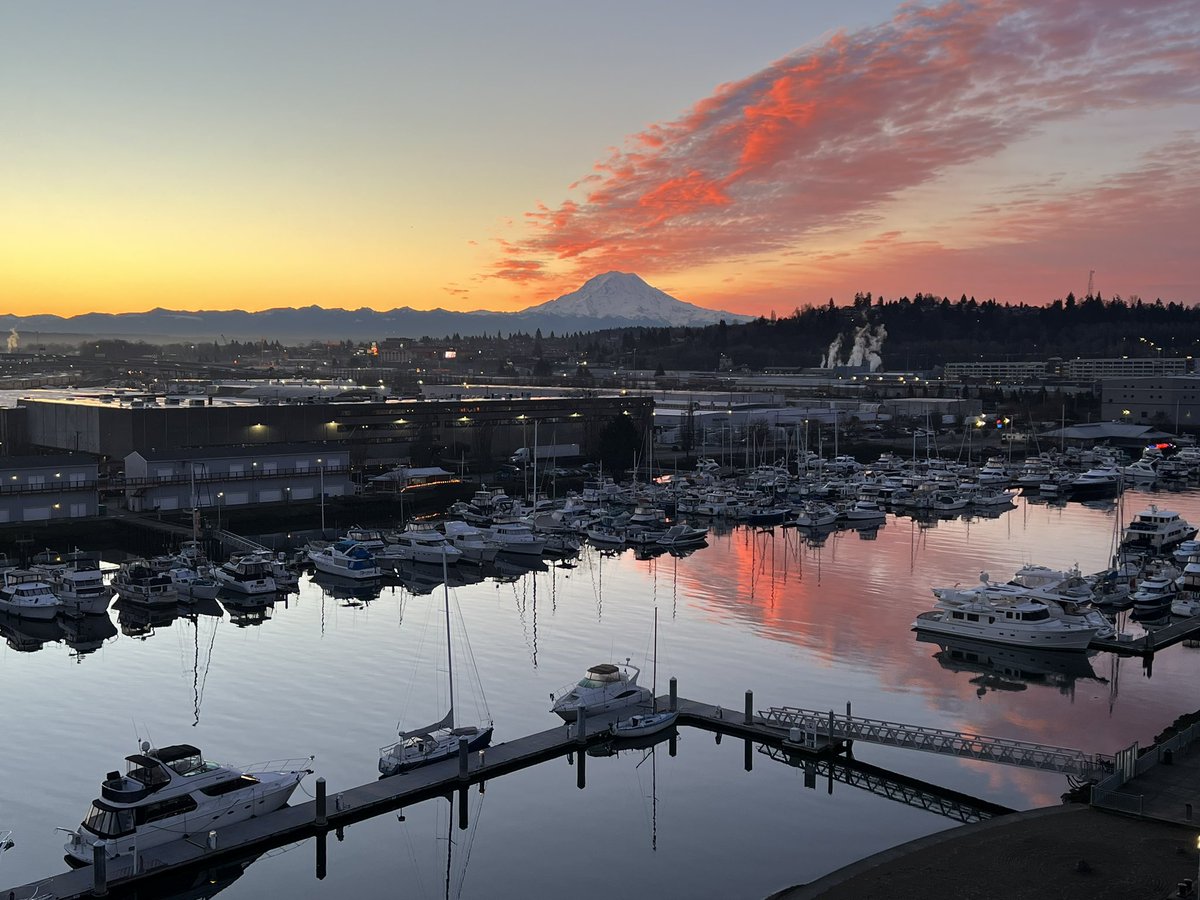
column 641, row 724
column 441, row 739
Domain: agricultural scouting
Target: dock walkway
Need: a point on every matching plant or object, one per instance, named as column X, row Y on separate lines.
column 1152, row 641
column 441, row 779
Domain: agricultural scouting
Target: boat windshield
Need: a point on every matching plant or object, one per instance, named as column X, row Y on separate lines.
column 147, row 771
column 108, row 823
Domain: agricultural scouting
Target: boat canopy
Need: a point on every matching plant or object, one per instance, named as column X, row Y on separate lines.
column 605, row 672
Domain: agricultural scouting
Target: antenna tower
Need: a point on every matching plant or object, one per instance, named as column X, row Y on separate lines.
column 1091, row 291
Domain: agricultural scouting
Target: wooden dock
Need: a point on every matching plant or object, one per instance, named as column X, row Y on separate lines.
column 337, row 809
column 1151, row 642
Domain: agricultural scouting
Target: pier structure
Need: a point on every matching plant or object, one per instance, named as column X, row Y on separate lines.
column 818, row 751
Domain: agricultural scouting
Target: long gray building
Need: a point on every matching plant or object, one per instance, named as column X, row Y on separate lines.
column 47, row 488
column 1171, row 401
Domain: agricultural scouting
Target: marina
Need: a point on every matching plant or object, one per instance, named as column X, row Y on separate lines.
column 795, row 617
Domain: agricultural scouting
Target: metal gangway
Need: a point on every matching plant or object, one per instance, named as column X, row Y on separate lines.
column 807, row 725
column 908, row 792
column 237, row 542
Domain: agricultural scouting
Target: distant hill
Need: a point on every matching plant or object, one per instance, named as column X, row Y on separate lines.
column 612, row 300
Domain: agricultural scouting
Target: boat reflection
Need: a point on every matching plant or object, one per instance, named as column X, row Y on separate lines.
column 247, row 610
column 139, row 620
column 192, row 884
column 86, row 634
column 424, row 578
column 998, row 667
column 352, row 591
column 28, row 635
column 617, row 746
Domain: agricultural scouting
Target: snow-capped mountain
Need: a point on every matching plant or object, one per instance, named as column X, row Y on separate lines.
column 623, row 296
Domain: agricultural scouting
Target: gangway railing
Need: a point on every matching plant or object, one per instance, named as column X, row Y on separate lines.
column 237, row 542
column 813, row 724
column 878, row 783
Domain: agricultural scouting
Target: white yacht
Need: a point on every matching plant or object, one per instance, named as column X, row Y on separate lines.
column 683, row 535
column 1154, row 593
column 994, row 473
column 423, row 543
column 77, row 581
column 516, row 537
column 247, row 574
column 1067, row 595
column 170, row 793
column 26, row 593
column 137, row 582
column 1097, row 481
column 1156, row 530
column 604, row 688
column 198, row 584
column 371, row 538
column 1142, row 470
column 474, row 545
column 345, row 558
column 1027, row 622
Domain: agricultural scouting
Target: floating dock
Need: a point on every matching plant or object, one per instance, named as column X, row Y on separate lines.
column 1152, row 641
column 441, row 779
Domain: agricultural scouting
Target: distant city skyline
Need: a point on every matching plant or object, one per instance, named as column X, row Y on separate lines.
column 754, row 159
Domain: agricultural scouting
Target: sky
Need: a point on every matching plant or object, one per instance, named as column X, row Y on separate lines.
column 751, row 157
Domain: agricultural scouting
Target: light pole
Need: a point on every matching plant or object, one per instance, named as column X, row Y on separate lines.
column 220, row 497
column 321, row 470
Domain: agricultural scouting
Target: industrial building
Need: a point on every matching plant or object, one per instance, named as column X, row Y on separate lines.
column 374, row 434
column 47, row 488
column 160, row 480
column 1172, row 401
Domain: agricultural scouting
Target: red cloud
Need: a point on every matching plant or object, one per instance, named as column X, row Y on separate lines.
column 825, row 138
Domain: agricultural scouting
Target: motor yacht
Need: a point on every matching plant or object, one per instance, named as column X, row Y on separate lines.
column 194, row 584
column 993, row 473
column 170, row 793
column 137, row 582
column 1154, row 593
column 474, row 545
column 371, row 538
column 247, row 573
column 1156, row 530
column 681, row 535
column 1098, row 481
column 1067, row 595
column 347, row 559
column 1026, row 622
column 516, row 537
column 605, row 687
column 422, row 543
column 78, row 583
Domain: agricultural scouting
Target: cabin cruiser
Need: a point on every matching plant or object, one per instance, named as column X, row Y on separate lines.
column 170, row 793
column 247, row 574
column 371, row 538
column 137, row 582
column 25, row 593
column 345, row 558
column 682, row 535
column 474, row 545
column 993, row 473
column 516, row 537
column 1066, row 595
column 604, row 688
column 1154, row 593
column 78, row 583
column 423, row 544
column 1156, row 530
column 1098, row 481
column 1027, row 622
column 196, row 584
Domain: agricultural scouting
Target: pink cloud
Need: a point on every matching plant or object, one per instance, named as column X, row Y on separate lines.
column 825, row 138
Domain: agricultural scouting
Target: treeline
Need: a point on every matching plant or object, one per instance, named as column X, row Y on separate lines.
column 927, row 331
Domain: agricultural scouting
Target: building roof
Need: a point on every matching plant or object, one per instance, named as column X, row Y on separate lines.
column 186, row 454
column 47, row 461
column 1108, row 431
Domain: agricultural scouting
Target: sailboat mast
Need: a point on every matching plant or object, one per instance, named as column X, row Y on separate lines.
column 654, row 670
column 449, row 648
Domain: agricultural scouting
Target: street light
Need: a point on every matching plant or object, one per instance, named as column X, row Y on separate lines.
column 321, row 465
column 220, row 497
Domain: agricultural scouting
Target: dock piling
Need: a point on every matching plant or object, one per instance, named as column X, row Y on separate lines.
column 581, row 726
column 321, row 819
column 674, row 694
column 749, row 707
column 212, row 840
column 99, row 869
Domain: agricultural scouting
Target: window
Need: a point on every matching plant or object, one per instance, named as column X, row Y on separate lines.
column 227, row 787
column 165, row 809
column 108, row 823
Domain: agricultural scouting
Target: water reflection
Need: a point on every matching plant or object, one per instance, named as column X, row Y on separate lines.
column 348, row 591
column 87, row 634
column 139, row 620
column 28, row 635
column 996, row 667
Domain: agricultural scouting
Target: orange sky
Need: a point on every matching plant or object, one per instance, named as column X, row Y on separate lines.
column 1002, row 149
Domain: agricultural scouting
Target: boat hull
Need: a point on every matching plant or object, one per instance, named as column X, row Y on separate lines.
column 1053, row 638
column 389, row 765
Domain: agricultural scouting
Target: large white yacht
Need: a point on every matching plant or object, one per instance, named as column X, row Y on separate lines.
column 1027, row 622
column 516, row 537
column 1098, row 481
column 1067, row 596
column 170, row 793
column 423, row 543
column 1157, row 530
column 604, row 688
column 474, row 545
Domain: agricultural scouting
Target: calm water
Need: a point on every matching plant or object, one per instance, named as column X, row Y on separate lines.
column 804, row 625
